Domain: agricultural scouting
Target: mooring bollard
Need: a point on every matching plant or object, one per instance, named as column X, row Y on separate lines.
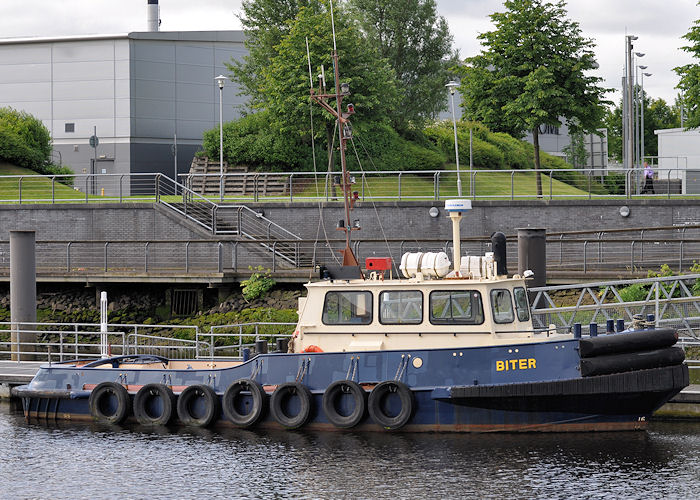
column 577, row 330
column 593, row 329
column 620, row 325
column 610, row 326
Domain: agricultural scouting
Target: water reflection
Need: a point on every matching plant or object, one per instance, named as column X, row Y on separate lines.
column 82, row 461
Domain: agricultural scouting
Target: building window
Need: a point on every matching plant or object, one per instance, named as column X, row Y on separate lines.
column 461, row 307
column 502, row 306
column 70, row 127
column 347, row 308
column 401, row 307
column 521, row 304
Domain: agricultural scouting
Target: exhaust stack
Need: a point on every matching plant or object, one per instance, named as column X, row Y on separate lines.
column 455, row 208
column 498, row 245
column 153, row 15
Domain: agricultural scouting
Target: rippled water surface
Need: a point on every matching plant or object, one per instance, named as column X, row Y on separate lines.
column 83, row 461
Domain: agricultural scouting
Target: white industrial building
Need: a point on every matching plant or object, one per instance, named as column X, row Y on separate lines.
column 138, row 90
column 679, row 157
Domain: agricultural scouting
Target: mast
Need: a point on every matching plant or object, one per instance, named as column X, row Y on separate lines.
column 345, row 134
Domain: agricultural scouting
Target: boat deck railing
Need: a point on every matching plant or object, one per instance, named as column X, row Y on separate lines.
column 670, row 300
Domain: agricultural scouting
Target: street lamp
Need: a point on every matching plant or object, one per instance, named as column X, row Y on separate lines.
column 643, row 75
column 452, row 85
column 220, row 80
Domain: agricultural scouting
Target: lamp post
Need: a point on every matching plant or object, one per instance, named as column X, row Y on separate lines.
column 220, row 80
column 452, row 85
column 628, row 121
column 643, row 75
column 637, row 149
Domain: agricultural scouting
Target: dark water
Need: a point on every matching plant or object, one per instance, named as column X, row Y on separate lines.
column 84, row 461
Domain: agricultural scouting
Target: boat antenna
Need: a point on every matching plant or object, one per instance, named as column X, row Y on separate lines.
column 345, row 134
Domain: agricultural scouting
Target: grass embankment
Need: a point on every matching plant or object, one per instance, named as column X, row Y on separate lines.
column 487, row 185
column 33, row 187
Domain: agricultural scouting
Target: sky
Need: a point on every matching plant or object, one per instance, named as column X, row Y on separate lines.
column 659, row 25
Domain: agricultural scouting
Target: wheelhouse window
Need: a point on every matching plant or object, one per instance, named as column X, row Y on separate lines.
column 521, row 303
column 401, row 307
column 456, row 307
column 347, row 308
column 502, row 306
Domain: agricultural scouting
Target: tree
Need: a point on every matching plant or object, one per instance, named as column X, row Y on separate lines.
column 265, row 23
column 532, row 72
column 657, row 115
column 418, row 45
column 690, row 78
column 24, row 140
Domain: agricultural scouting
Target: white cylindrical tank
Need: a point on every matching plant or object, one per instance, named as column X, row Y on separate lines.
column 430, row 264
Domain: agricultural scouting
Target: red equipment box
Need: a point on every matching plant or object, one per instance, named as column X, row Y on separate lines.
column 378, row 263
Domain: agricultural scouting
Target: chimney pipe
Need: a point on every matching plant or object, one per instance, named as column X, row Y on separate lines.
column 153, row 17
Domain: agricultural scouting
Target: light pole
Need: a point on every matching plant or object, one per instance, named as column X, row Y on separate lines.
column 629, row 146
column 643, row 75
column 636, row 113
column 220, row 80
column 452, row 85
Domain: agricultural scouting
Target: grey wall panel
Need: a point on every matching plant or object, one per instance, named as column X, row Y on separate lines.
column 154, row 109
column 154, row 51
column 24, row 73
column 83, row 70
column 89, row 50
column 80, row 90
column 24, row 92
column 150, row 70
column 39, row 109
column 193, row 129
column 153, row 128
column 190, row 53
column 194, row 111
column 149, row 158
column 85, row 108
column 153, row 89
column 25, row 54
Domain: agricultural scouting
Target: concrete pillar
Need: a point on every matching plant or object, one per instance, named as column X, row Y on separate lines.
column 532, row 254
column 22, row 292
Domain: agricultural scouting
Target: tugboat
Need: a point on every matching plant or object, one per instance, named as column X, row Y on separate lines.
column 447, row 347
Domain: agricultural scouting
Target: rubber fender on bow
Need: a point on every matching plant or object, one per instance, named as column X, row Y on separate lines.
column 282, row 398
column 244, row 402
column 154, row 404
column 331, row 401
column 109, row 403
column 379, row 401
column 198, row 406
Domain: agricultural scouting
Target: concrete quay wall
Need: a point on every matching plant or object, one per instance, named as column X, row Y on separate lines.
column 403, row 220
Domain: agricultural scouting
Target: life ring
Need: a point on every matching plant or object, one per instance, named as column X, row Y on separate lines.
column 198, row 406
column 313, row 348
column 377, row 404
column 154, row 404
column 235, row 399
column 280, row 399
column 331, row 399
column 109, row 403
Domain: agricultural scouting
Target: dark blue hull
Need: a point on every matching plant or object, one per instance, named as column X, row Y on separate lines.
column 523, row 387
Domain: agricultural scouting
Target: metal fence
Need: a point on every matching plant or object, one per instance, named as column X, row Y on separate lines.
column 307, row 186
column 670, row 300
column 64, row 341
column 569, row 254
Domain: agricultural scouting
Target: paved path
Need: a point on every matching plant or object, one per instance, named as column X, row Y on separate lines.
column 12, row 372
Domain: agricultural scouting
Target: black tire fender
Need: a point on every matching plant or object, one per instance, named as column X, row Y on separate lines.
column 234, row 391
column 281, row 395
column 333, row 392
column 143, row 398
column 376, row 400
column 209, row 399
column 98, row 399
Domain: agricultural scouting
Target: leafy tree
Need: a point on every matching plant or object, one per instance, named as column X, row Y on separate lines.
column 690, row 77
column 265, row 23
column 24, row 140
column 418, row 45
column 532, row 72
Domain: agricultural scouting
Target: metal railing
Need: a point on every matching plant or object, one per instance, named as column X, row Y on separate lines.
column 307, row 186
column 669, row 299
column 226, row 341
column 65, row 341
